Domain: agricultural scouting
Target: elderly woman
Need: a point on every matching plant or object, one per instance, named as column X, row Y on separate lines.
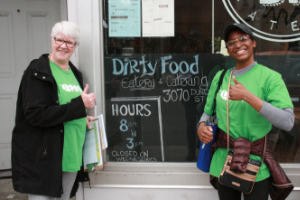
column 258, row 99
column 51, row 120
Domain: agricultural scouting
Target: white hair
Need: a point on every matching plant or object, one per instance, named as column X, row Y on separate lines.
column 68, row 29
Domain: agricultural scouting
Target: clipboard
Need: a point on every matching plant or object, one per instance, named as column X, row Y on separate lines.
column 95, row 142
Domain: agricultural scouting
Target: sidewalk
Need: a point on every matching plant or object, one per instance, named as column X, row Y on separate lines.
column 7, row 192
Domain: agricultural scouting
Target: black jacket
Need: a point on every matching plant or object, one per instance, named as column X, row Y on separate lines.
column 38, row 135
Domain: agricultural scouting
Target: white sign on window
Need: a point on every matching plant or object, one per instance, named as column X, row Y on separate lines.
column 158, row 18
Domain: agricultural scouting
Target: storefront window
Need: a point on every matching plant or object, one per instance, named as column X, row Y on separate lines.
column 156, row 86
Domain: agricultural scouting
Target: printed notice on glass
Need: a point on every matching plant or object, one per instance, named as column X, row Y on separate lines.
column 124, row 18
column 158, row 18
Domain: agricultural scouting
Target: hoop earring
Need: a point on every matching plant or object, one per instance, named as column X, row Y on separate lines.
column 76, row 57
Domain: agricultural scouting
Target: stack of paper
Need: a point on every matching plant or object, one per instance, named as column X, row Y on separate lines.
column 95, row 142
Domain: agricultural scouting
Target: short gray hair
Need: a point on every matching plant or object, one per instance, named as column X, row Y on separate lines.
column 68, row 29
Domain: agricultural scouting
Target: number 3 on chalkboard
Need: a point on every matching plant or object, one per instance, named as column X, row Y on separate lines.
column 130, row 142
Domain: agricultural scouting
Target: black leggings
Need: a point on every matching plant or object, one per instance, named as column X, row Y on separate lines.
column 260, row 191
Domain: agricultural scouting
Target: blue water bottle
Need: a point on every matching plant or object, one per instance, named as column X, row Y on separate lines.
column 204, row 157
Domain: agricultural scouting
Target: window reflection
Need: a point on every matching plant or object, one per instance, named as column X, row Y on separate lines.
column 183, row 94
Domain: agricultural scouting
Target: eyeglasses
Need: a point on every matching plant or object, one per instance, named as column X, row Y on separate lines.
column 60, row 41
column 241, row 40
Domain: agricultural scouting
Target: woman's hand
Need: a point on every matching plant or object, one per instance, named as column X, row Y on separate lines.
column 89, row 100
column 205, row 133
column 239, row 92
column 88, row 120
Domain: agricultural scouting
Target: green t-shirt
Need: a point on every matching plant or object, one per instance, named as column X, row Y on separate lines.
column 74, row 131
column 244, row 120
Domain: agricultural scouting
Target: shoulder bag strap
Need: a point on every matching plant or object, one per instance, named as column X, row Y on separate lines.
column 227, row 105
column 219, row 85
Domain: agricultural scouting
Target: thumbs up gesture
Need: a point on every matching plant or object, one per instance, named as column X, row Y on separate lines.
column 237, row 91
column 89, row 100
column 240, row 92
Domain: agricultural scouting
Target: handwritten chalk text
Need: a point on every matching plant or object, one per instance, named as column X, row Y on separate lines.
column 146, row 68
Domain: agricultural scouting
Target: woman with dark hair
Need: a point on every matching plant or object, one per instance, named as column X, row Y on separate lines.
column 258, row 99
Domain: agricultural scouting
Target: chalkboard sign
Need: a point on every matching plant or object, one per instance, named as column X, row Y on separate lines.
column 140, row 124
column 153, row 103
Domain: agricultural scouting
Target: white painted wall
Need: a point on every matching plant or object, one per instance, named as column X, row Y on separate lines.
column 87, row 15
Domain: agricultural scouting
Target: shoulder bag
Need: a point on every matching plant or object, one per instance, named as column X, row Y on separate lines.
column 243, row 182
